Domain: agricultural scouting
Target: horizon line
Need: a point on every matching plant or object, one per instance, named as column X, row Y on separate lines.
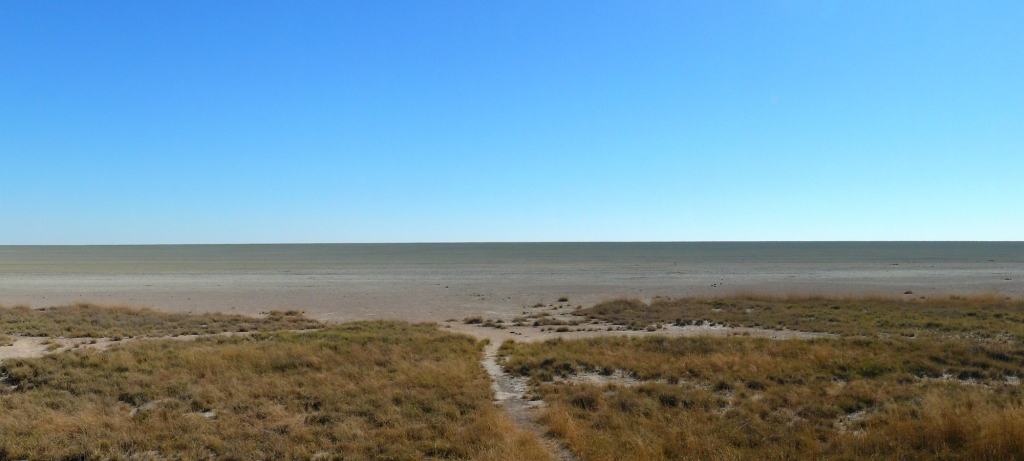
column 485, row 242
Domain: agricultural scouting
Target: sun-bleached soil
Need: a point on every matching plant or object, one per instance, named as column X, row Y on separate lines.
column 437, row 282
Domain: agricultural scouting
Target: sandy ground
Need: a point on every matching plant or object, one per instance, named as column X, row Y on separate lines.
column 457, row 293
column 435, row 283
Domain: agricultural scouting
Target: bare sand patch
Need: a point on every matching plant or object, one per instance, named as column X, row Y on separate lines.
column 340, row 283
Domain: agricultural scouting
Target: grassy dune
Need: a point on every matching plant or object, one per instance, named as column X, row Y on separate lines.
column 376, row 390
column 922, row 379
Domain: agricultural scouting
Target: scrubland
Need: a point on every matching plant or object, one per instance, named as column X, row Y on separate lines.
column 982, row 317
column 92, row 321
column 371, row 390
column 885, row 378
column 897, row 379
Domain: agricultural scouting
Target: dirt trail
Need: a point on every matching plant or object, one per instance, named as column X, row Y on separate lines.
column 509, row 392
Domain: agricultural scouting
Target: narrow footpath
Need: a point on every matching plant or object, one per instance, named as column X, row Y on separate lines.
column 509, row 391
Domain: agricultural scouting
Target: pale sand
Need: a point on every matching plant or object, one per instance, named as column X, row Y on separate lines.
column 438, row 282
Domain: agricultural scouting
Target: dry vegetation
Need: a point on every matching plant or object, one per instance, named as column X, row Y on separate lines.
column 91, row 321
column 735, row 398
column 923, row 379
column 899, row 379
column 376, row 390
column 988, row 317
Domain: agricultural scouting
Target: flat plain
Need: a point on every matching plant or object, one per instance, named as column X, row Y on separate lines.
column 688, row 378
column 527, row 351
column 434, row 282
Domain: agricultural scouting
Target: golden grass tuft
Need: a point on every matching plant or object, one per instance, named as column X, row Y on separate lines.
column 92, row 321
column 361, row 391
column 752, row 398
column 983, row 316
column 898, row 378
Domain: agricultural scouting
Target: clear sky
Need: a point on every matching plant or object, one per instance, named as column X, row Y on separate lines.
column 389, row 121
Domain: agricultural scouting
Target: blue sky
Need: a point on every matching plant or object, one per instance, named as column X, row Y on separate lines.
column 388, row 121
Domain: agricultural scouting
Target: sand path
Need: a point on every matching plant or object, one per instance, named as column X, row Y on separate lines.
column 510, row 391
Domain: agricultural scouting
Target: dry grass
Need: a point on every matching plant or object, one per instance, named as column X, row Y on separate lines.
column 902, row 379
column 969, row 317
column 542, row 319
column 731, row 359
column 91, row 321
column 375, row 390
column 737, row 398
